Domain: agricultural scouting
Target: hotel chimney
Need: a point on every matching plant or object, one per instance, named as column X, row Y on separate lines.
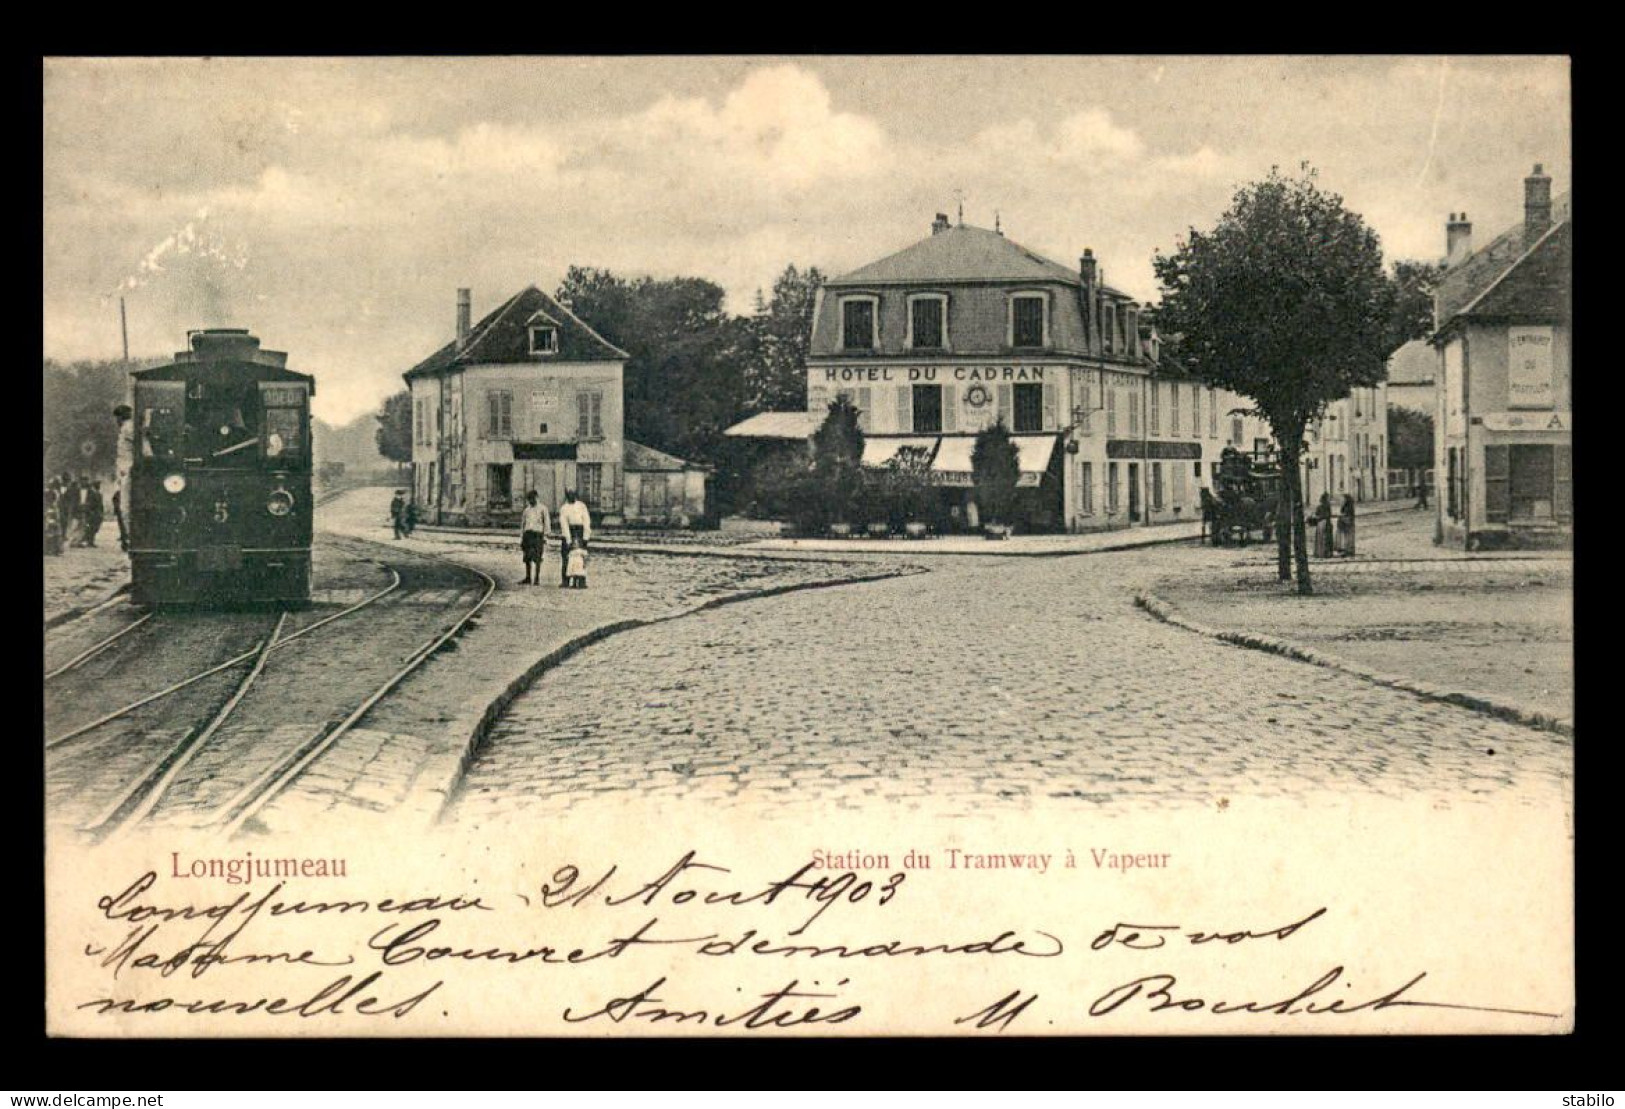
column 1089, row 274
column 1537, row 200
column 940, row 224
column 464, row 317
column 1458, row 239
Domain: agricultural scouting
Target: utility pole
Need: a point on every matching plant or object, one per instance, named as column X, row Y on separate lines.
column 124, row 331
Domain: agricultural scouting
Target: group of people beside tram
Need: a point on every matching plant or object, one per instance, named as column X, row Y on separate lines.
column 75, row 505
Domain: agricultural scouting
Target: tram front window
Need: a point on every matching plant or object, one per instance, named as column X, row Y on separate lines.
column 159, row 420
column 224, row 427
column 284, row 440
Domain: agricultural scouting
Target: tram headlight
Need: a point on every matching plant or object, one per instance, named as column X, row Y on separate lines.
column 174, row 483
column 280, row 503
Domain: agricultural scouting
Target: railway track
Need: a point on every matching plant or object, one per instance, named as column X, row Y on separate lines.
column 250, row 726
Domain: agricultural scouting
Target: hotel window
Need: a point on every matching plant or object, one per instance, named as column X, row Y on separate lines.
column 590, row 483
column 927, row 408
column 1111, row 410
column 1156, row 407
column 1086, row 488
column 1176, row 476
column 1134, row 410
column 928, row 321
column 1196, row 411
column 499, row 414
column 1082, row 415
column 859, row 399
column 1235, row 432
column 1111, row 487
column 417, row 422
column 1156, row 487
column 1029, row 408
column 590, row 414
column 1212, row 415
column 1173, row 408
column 1108, row 328
column 499, row 485
column 544, row 340
column 1028, row 326
column 860, row 329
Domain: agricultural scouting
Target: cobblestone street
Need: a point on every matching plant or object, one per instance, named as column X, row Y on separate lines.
column 988, row 682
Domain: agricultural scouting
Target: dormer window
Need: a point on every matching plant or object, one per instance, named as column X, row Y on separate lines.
column 928, row 321
column 544, row 339
column 860, row 323
column 1029, row 320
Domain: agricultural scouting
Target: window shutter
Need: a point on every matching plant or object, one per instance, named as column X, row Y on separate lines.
column 1050, row 422
column 583, row 416
column 950, row 408
column 864, row 399
column 597, row 415
column 818, row 399
column 1497, row 484
column 905, row 408
column 1563, row 483
column 1004, row 403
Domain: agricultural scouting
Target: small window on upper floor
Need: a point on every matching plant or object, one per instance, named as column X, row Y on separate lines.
column 859, row 328
column 1029, row 326
column 927, row 322
column 544, row 340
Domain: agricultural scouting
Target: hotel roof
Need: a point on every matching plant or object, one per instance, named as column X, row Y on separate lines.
column 963, row 253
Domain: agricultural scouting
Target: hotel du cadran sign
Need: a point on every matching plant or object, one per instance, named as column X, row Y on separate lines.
column 931, row 375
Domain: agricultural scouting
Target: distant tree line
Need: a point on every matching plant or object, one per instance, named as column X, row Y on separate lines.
column 80, row 434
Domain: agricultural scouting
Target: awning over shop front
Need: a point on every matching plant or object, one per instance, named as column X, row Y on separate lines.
column 1035, row 452
column 952, row 465
column 878, row 452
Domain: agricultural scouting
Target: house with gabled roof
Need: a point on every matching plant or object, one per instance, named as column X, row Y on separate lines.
column 530, row 399
column 1504, row 419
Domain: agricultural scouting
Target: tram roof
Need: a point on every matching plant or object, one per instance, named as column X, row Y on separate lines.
column 255, row 371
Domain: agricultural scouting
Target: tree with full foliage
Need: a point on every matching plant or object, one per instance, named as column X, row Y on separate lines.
column 1410, row 439
column 995, row 469
column 1412, row 317
column 837, row 460
column 394, row 434
column 1285, row 302
column 777, row 377
column 685, row 379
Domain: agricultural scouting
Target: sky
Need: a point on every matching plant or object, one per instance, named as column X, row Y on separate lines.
column 334, row 206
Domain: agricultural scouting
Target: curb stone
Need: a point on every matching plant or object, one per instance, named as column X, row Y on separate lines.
column 1489, row 706
column 430, row 803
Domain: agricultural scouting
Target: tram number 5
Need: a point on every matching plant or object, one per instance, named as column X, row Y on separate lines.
column 221, row 512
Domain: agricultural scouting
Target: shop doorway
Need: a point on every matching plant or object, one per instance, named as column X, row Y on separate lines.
column 1134, row 492
column 1533, row 482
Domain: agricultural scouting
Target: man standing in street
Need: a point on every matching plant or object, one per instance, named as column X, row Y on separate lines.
column 94, row 512
column 575, row 526
column 397, row 514
column 533, row 526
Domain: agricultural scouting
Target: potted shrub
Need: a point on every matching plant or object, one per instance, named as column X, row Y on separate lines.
column 995, row 470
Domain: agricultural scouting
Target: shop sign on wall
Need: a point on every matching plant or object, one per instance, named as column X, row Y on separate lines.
column 1529, row 381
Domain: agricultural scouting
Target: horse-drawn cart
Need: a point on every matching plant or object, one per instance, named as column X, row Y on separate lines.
column 1243, row 505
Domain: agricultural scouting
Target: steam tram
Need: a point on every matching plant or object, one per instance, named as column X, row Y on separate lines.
column 220, row 479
